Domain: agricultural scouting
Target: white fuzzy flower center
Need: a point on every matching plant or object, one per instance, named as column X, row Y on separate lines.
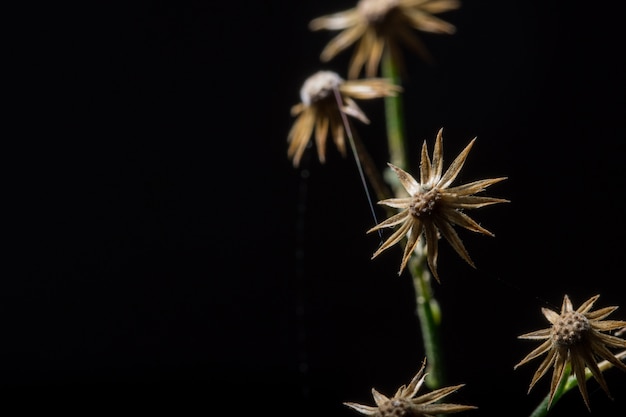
column 319, row 86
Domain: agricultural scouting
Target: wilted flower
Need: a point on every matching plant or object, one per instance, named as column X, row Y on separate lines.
column 319, row 110
column 403, row 403
column 381, row 24
column 433, row 207
column 576, row 337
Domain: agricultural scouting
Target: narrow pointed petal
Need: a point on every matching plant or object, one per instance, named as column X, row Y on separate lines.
column 341, row 41
column 606, row 325
column 470, row 201
column 363, row 409
column 459, row 218
column 474, row 187
column 299, row 136
column 601, row 313
column 578, row 369
column 425, row 166
column 543, row 348
column 335, row 21
column 399, row 203
column 409, row 248
column 406, row 179
column 432, row 249
column 586, row 306
column 321, row 133
column 390, row 222
column 453, row 238
column 536, row 335
column 437, row 395
column 552, row 316
column 397, row 236
column 379, row 398
column 567, row 305
column 455, row 167
column 557, row 375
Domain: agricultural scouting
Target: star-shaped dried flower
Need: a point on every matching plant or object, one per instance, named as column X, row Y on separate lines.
column 380, row 24
column 576, row 337
column 433, row 207
column 319, row 110
column 403, row 403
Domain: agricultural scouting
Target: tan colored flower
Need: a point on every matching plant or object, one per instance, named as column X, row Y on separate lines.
column 434, row 208
column 576, row 337
column 380, row 24
column 403, row 403
column 319, row 110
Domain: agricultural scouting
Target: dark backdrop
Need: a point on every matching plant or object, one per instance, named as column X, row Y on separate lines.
column 169, row 259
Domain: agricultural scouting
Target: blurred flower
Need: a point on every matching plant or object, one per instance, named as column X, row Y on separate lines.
column 380, row 24
column 403, row 403
column 319, row 110
column 433, row 207
column 576, row 337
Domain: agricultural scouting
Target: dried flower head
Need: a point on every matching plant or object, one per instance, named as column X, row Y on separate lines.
column 433, row 207
column 403, row 403
column 319, row 110
column 576, row 337
column 381, row 24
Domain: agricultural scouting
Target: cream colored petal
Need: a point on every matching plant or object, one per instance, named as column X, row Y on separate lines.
column 321, row 134
column 602, row 351
column 468, row 202
column 407, row 181
column 540, row 350
column 455, row 167
column 299, row 135
column 537, row 334
column 453, row 238
column 567, row 305
column 399, row 203
column 361, row 53
column 436, row 409
column 438, row 157
column 413, row 42
column 461, row 219
column 375, row 54
column 416, row 382
column 428, row 23
column 352, row 109
column 586, row 306
column 296, row 109
column 436, row 395
column 391, row 221
column 589, row 359
column 578, row 369
column 426, row 173
column 396, row 237
column 612, row 341
column 474, row 187
column 551, row 315
column 336, row 21
column 543, row 368
column 341, row 41
column 432, row 249
column 601, row 313
column 413, row 239
column 440, row 6
column 369, row 88
column 336, row 129
column 363, row 409
column 606, row 325
column 557, row 374
column 379, row 398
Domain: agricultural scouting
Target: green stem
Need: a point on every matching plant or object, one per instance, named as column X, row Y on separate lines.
column 569, row 383
column 429, row 315
column 428, row 312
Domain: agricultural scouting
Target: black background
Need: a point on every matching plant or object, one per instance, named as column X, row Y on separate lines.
column 169, row 259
